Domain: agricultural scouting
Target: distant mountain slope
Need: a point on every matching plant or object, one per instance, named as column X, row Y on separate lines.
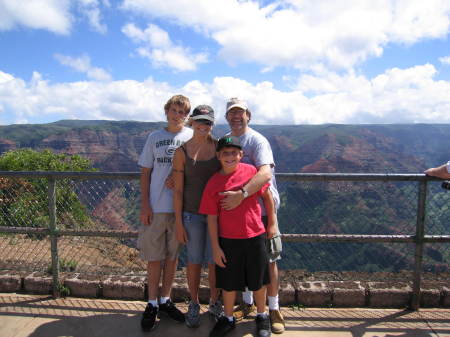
column 115, row 145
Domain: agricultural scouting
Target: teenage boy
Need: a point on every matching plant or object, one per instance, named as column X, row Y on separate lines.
column 257, row 152
column 157, row 241
column 238, row 236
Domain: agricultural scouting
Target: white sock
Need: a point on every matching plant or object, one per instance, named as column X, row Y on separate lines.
column 247, row 296
column 163, row 300
column 230, row 318
column 262, row 314
column 154, row 303
column 273, row 302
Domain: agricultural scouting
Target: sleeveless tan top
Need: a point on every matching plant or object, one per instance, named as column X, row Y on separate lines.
column 196, row 175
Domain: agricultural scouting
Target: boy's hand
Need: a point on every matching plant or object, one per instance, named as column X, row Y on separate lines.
column 219, row 257
column 170, row 182
column 232, row 199
column 146, row 215
column 181, row 234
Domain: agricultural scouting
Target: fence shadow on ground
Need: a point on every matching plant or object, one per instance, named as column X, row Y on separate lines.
column 39, row 316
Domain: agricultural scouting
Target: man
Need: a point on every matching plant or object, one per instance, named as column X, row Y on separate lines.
column 257, row 152
column 442, row 171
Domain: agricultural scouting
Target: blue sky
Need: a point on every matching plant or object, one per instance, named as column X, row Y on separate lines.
column 294, row 61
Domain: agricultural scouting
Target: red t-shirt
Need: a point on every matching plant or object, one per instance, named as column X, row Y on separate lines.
column 242, row 222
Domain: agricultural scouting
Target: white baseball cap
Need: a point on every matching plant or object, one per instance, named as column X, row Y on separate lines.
column 236, row 103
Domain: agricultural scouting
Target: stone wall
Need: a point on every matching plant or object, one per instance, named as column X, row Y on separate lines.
column 297, row 289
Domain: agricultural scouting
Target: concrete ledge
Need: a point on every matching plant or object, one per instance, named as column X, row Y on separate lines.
column 293, row 290
column 389, row 294
column 286, row 294
column 446, row 297
column 180, row 292
column 316, row 294
column 38, row 283
column 348, row 294
column 124, row 287
column 10, row 283
column 83, row 286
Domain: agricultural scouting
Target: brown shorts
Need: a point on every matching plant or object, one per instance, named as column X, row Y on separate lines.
column 158, row 241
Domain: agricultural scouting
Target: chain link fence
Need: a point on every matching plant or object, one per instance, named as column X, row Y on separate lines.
column 335, row 223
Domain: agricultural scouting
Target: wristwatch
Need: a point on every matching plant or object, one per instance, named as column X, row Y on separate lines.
column 244, row 192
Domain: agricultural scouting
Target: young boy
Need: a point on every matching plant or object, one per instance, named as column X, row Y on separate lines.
column 157, row 241
column 238, row 236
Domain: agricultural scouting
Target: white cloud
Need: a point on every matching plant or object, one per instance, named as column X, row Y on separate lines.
column 397, row 96
column 155, row 45
column 52, row 15
column 90, row 9
column 445, row 60
column 302, row 33
column 82, row 64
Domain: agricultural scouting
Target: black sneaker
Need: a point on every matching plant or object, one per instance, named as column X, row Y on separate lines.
column 149, row 317
column 263, row 326
column 171, row 310
column 222, row 327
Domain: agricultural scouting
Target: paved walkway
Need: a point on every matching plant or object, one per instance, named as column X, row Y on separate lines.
column 32, row 315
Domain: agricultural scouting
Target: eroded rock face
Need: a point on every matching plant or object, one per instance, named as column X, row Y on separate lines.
column 108, row 151
column 6, row 145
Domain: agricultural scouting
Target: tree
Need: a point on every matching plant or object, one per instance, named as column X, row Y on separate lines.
column 24, row 202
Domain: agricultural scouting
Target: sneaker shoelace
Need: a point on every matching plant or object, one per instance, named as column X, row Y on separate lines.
column 193, row 310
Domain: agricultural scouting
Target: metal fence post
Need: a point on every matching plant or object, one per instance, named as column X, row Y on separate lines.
column 53, row 234
column 418, row 255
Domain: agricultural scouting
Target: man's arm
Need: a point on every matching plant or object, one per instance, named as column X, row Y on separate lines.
column 234, row 198
column 146, row 210
column 219, row 256
column 272, row 222
column 439, row 172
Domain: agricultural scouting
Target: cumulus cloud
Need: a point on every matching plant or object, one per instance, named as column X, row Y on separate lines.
column 155, row 44
column 445, row 60
column 303, row 33
column 409, row 95
column 91, row 10
column 56, row 16
column 52, row 15
column 82, row 64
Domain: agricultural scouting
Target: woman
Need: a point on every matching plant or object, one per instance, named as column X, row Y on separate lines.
column 193, row 164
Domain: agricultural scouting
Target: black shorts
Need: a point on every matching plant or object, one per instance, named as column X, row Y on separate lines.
column 247, row 264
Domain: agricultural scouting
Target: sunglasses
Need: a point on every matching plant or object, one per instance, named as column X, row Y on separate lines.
column 205, row 121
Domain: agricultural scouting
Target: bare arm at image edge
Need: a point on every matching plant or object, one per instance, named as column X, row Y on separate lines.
column 234, row 198
column 439, row 172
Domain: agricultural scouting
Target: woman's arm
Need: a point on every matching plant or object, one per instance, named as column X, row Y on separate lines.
column 178, row 178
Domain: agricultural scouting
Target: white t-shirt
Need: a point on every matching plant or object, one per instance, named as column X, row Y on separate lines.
column 157, row 154
column 257, row 152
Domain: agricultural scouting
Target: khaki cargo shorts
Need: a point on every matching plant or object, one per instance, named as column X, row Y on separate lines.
column 157, row 241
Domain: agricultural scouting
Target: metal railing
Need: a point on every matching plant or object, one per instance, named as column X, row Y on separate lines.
column 418, row 239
